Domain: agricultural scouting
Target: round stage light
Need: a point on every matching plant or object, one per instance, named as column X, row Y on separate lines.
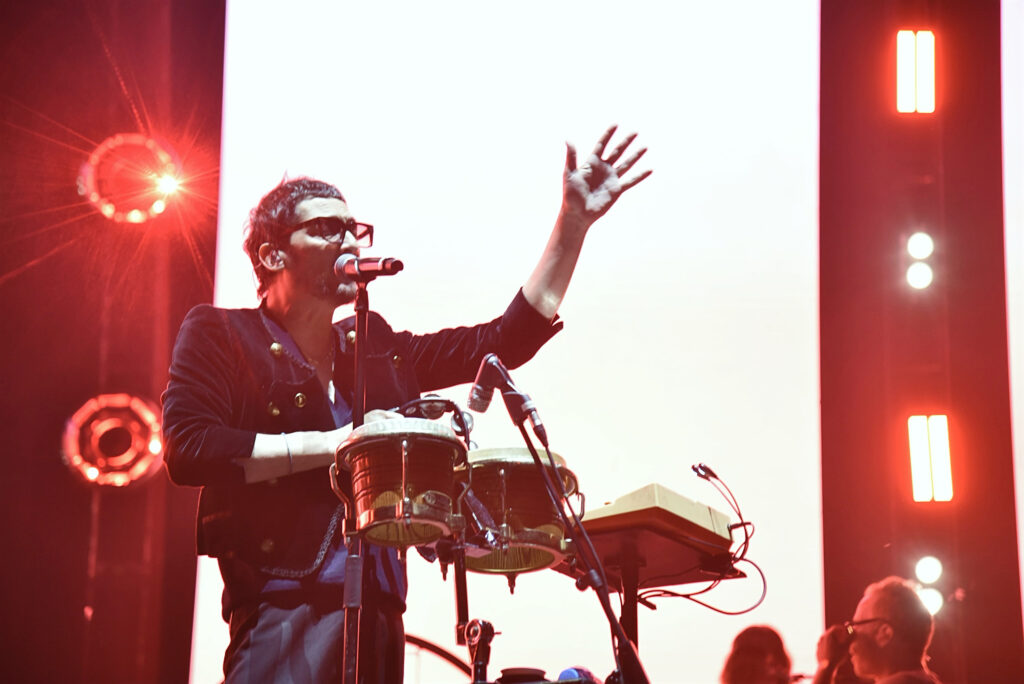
column 113, row 439
column 920, row 245
column 920, row 275
column 129, row 177
column 167, row 184
column 928, row 569
column 931, row 598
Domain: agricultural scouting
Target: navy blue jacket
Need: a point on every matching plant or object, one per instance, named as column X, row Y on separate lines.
column 230, row 381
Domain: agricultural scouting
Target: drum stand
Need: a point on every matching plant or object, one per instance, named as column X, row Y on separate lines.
column 479, row 634
column 630, row 670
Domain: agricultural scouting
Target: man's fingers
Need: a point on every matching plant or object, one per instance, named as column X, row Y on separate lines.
column 620, row 148
column 630, row 183
column 570, row 157
column 603, row 142
column 625, row 166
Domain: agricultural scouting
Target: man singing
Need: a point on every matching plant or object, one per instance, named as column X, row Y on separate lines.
column 259, row 399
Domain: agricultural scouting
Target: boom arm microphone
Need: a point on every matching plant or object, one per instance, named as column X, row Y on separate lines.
column 365, row 269
column 493, row 374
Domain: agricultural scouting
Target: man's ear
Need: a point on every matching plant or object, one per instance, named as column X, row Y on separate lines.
column 271, row 257
column 884, row 634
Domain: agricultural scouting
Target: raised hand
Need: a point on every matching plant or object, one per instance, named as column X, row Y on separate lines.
column 588, row 191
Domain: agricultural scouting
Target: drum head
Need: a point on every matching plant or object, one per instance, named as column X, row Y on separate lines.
column 398, row 428
column 520, row 456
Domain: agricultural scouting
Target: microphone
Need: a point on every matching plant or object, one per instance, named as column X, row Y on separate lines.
column 493, row 374
column 487, row 378
column 365, row 269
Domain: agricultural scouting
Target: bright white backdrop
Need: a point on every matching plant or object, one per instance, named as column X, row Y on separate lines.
column 691, row 324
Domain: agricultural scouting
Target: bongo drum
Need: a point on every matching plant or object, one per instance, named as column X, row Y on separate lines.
column 528, row 531
column 402, row 479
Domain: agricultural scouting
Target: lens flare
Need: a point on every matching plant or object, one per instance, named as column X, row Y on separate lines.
column 928, row 569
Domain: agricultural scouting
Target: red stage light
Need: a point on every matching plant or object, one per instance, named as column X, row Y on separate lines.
column 915, row 71
column 167, row 184
column 928, row 569
column 931, row 598
column 113, row 439
column 129, row 176
column 930, row 469
column 920, row 275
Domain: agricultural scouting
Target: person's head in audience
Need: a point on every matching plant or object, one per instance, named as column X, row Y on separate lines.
column 758, row 656
column 890, row 630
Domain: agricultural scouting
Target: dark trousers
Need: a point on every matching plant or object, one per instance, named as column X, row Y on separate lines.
column 292, row 642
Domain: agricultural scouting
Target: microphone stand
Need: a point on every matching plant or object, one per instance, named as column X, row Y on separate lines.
column 353, row 594
column 629, row 669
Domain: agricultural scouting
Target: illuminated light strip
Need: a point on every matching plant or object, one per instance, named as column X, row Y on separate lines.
column 925, row 90
column 930, row 470
column 906, row 67
column 920, row 458
column 915, row 71
column 942, row 471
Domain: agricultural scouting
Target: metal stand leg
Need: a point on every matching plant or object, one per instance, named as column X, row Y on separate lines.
column 630, row 589
column 461, row 596
column 353, row 601
column 479, row 634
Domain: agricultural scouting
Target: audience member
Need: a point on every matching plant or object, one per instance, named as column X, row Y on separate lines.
column 886, row 641
column 758, row 656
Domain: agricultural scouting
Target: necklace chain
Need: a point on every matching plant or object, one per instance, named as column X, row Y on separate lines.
column 327, row 358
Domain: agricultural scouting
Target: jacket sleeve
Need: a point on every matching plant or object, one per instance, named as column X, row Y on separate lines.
column 201, row 404
column 452, row 356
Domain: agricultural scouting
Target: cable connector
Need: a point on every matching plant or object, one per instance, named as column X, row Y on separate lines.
column 704, row 471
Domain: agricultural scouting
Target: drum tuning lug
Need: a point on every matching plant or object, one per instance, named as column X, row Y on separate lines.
column 444, row 571
column 511, row 583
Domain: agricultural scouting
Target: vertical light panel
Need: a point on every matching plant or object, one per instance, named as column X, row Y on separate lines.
column 925, row 72
column 938, row 443
column 915, row 71
column 930, row 470
column 906, row 66
column 920, row 459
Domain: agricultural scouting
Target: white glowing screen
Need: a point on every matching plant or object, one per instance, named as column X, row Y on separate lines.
column 691, row 324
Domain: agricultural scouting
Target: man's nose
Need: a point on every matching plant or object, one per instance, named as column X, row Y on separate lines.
column 349, row 242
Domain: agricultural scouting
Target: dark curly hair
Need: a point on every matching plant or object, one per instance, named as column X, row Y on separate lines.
column 758, row 656
column 273, row 219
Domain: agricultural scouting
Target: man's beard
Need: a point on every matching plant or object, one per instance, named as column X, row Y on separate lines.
column 326, row 286
column 339, row 292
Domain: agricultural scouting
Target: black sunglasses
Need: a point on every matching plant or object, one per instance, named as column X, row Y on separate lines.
column 850, row 624
column 333, row 228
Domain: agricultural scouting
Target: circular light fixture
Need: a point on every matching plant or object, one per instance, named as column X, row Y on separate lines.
column 920, row 275
column 129, row 176
column 931, row 598
column 928, row 569
column 167, row 184
column 113, row 439
column 920, row 245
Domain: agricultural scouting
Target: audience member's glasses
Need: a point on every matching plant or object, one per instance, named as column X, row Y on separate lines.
column 850, row 624
column 334, row 229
